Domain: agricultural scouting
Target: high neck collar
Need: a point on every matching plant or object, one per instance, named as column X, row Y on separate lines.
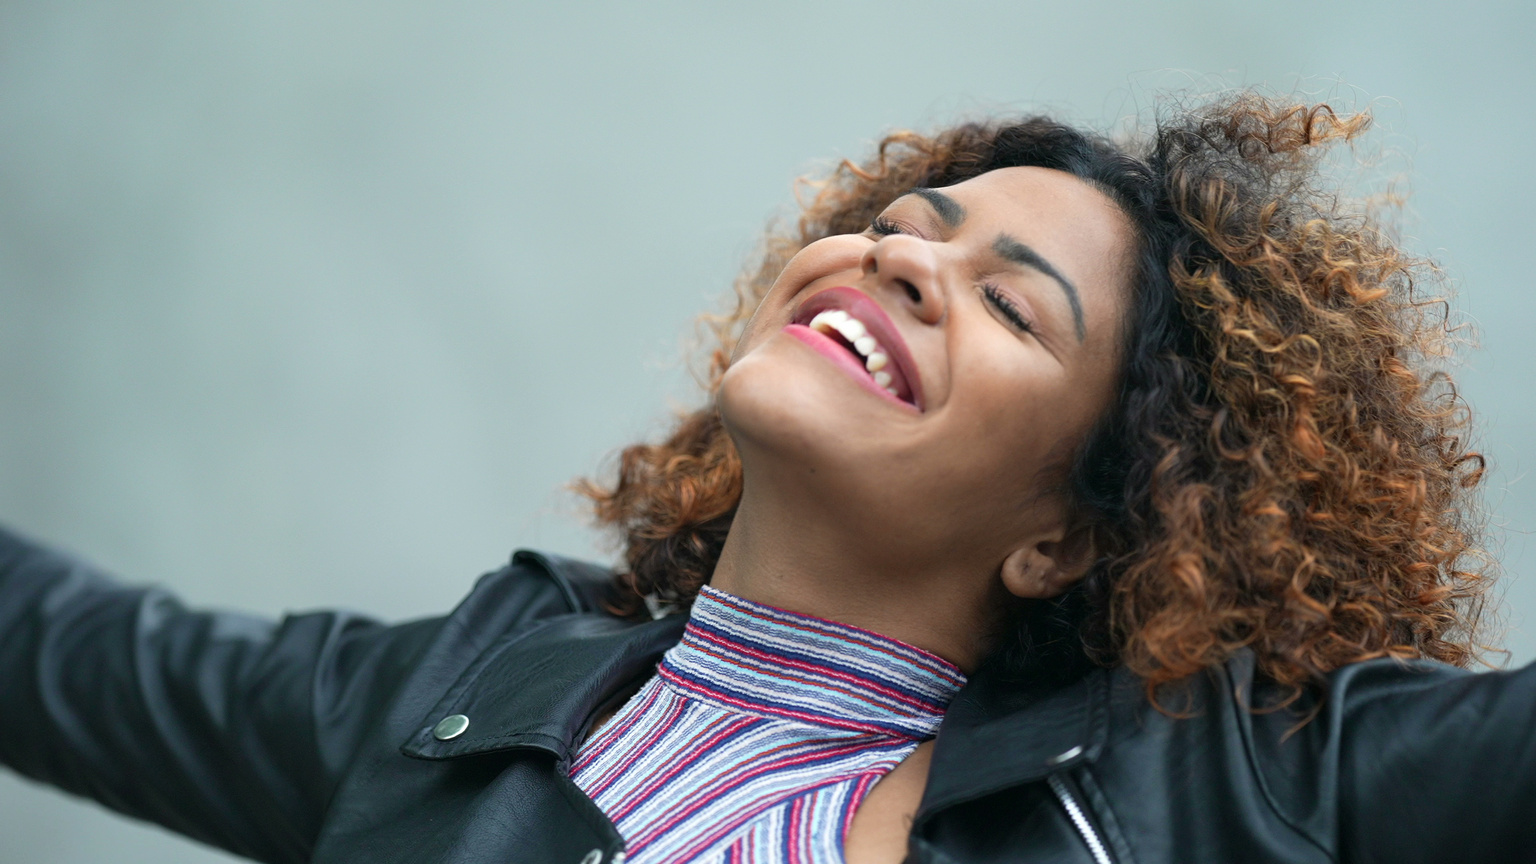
column 757, row 659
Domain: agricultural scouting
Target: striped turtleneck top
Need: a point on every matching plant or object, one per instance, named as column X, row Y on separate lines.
column 759, row 735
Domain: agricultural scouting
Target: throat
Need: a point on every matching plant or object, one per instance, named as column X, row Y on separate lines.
column 794, row 548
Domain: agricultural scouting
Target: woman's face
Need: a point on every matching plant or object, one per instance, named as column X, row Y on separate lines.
column 928, row 380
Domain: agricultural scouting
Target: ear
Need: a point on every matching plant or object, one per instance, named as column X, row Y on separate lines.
column 1047, row 566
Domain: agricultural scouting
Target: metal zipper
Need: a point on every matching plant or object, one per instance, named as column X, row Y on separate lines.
column 1080, row 819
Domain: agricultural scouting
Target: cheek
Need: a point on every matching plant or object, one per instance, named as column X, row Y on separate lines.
column 1025, row 429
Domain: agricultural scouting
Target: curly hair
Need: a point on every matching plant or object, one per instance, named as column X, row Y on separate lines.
column 1285, row 468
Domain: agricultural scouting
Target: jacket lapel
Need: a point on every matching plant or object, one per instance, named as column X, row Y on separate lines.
column 538, row 688
column 999, row 733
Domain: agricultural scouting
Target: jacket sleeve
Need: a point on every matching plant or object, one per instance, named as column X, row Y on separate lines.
column 230, row 729
column 1436, row 764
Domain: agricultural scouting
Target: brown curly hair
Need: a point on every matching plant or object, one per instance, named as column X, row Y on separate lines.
column 1285, row 469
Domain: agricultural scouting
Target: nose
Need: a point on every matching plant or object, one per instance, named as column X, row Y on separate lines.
column 907, row 267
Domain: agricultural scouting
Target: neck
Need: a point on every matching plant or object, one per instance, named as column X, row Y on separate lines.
column 802, row 557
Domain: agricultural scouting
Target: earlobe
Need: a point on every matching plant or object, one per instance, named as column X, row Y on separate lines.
column 1047, row 568
column 1024, row 574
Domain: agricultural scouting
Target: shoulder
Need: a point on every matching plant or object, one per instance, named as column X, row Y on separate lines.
column 510, row 612
column 413, row 663
column 1222, row 762
column 1229, row 742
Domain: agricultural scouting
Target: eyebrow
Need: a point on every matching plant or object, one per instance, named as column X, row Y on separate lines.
column 1012, row 250
column 949, row 209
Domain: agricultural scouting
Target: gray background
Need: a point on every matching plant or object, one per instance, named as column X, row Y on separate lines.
column 320, row 303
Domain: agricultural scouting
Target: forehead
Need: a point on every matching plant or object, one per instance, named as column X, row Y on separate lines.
column 1040, row 196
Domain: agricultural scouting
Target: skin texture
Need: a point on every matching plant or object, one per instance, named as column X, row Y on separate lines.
column 919, row 524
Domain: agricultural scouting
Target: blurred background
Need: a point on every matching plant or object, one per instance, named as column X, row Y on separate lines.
column 320, row 304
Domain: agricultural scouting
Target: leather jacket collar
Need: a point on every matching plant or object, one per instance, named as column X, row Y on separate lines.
column 986, row 743
column 541, row 688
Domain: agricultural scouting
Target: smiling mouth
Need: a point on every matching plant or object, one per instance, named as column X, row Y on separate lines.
column 847, row 327
column 851, row 333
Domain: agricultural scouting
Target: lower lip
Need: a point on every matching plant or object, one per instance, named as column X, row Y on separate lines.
column 840, row 357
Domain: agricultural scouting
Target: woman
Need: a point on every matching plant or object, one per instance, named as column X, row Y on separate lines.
column 1055, row 502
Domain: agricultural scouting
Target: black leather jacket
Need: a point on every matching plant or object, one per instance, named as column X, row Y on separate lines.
column 312, row 739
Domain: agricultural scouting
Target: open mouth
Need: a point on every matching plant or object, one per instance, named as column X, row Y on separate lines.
column 849, row 328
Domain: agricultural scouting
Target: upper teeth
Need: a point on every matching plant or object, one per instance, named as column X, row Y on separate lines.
column 854, row 331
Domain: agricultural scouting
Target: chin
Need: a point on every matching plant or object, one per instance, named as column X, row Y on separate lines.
column 771, row 404
column 819, row 440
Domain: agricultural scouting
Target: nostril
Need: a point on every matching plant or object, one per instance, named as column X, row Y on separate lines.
column 913, row 294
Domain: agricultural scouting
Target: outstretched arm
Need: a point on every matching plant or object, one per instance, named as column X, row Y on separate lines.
column 1438, row 766
column 223, row 727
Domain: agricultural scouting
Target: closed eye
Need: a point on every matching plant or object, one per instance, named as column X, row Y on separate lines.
column 884, row 227
column 1006, row 308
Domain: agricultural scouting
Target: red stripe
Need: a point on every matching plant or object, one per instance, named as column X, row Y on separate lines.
column 796, row 828
column 856, row 797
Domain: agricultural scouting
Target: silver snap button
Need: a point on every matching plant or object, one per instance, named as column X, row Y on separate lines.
column 593, row 857
column 1063, row 757
column 451, row 726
